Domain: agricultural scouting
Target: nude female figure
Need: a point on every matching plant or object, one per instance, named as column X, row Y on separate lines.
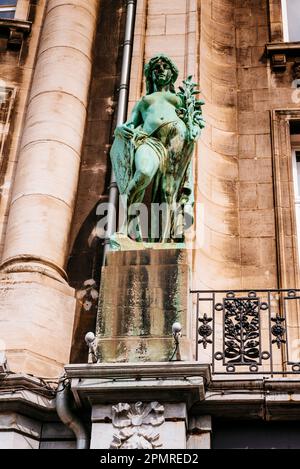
column 161, row 144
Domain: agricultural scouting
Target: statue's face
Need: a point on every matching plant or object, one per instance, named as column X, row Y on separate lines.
column 162, row 73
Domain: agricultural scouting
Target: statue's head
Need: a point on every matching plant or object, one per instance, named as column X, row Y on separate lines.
column 160, row 70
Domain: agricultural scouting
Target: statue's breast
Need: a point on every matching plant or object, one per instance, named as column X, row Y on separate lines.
column 148, row 100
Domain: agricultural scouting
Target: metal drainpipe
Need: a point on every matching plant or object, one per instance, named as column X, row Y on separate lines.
column 71, row 421
column 122, row 113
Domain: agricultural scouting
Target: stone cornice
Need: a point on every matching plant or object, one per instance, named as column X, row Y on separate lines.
column 27, row 395
column 276, row 385
column 171, row 382
column 140, row 370
column 15, row 31
column 289, row 47
column 255, row 398
column 279, row 51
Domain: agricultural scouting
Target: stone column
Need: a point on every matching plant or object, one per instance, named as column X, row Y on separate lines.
column 47, row 174
column 44, row 191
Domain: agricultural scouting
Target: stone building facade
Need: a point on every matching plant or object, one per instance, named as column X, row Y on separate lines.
column 59, row 83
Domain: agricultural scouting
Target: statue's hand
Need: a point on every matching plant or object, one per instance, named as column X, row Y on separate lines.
column 124, row 131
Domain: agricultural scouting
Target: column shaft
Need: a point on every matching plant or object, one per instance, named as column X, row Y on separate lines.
column 46, row 181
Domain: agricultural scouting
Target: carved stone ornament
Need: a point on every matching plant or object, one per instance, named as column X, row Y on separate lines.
column 296, row 69
column 135, row 424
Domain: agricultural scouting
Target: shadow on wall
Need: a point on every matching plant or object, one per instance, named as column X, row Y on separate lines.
column 84, row 265
column 84, row 271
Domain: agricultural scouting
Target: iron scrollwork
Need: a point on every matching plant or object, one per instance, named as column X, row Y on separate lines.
column 278, row 331
column 253, row 332
column 205, row 331
column 241, row 331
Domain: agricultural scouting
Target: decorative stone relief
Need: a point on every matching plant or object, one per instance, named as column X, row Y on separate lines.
column 136, row 425
column 296, row 69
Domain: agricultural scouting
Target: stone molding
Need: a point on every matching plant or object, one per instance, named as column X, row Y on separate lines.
column 26, row 395
column 15, row 31
column 280, row 52
column 257, row 398
column 140, row 370
column 287, row 256
column 163, row 382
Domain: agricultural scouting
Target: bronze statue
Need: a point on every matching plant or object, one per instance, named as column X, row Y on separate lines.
column 156, row 145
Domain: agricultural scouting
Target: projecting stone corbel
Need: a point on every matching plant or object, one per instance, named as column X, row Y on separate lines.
column 296, row 69
column 13, row 32
column 280, row 53
column 278, row 62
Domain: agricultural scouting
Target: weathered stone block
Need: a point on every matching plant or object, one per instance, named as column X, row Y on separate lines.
column 157, row 7
column 246, row 146
column 143, row 293
column 176, row 24
column 156, row 25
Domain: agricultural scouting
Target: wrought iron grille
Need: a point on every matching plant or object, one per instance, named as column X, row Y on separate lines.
column 241, row 332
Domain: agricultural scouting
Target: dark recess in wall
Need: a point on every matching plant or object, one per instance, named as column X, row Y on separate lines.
column 86, row 256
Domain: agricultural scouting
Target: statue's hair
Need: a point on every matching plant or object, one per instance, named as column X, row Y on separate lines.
column 149, row 68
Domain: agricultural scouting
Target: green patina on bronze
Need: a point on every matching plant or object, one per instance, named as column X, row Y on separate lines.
column 155, row 146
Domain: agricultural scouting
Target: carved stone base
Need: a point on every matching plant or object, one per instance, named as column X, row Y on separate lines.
column 140, row 405
column 143, row 293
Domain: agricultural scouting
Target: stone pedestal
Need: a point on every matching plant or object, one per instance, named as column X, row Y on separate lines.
column 139, row 406
column 143, row 293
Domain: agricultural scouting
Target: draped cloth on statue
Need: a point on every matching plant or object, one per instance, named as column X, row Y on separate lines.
column 173, row 182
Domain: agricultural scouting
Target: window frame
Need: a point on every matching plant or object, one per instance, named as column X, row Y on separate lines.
column 294, row 149
column 288, row 260
column 285, row 22
column 9, row 8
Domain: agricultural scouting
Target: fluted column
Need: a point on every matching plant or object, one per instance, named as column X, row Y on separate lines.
column 48, row 168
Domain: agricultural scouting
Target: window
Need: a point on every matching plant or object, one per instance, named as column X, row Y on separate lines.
column 291, row 20
column 8, row 8
column 7, row 97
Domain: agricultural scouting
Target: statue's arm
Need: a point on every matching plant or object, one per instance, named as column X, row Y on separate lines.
column 136, row 117
column 126, row 130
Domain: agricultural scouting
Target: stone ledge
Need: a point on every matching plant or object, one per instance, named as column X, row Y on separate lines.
column 26, row 395
column 256, row 398
column 14, row 31
column 256, row 384
column 165, row 382
column 278, row 52
column 140, row 370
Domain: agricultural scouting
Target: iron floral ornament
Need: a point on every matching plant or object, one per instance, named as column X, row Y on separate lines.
column 135, row 423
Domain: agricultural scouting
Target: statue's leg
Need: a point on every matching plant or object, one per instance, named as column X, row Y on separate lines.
column 146, row 165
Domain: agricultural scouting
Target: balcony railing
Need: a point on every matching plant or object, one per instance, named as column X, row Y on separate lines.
column 242, row 332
